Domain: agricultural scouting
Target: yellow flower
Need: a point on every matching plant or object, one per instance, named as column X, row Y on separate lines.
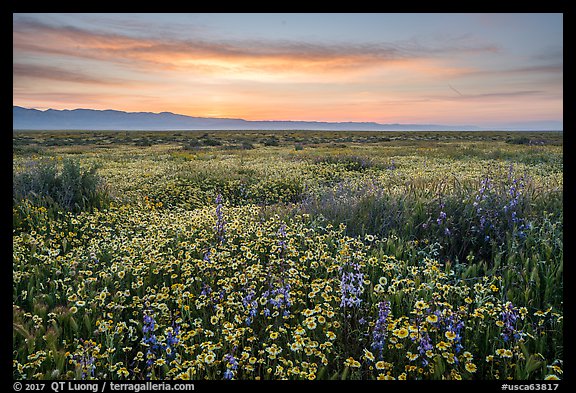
column 411, row 356
column 401, row 333
column 368, row 355
column 442, row 345
column 421, row 305
column 122, row 372
column 556, row 369
column 350, row 362
column 209, row 358
column 273, row 335
column 470, row 367
column 450, row 335
column 300, row 330
column 432, row 318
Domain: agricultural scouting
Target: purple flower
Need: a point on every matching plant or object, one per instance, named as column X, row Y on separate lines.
column 351, row 289
column 206, row 290
column 351, row 284
column 380, row 328
column 251, row 304
column 280, row 303
column 207, row 256
column 232, row 362
column 424, row 346
column 150, row 341
column 231, row 366
column 282, row 236
column 86, row 361
column 454, row 325
column 172, row 336
column 509, row 316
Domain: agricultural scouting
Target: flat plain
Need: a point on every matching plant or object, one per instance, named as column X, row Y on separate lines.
column 287, row 255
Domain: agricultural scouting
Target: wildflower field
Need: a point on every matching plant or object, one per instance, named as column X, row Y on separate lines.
column 287, row 255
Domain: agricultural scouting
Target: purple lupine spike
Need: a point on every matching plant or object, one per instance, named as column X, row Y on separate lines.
column 509, row 316
column 380, row 328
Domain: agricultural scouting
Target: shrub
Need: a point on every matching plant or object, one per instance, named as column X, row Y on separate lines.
column 351, row 163
column 70, row 188
column 211, row 142
column 192, row 144
column 521, row 140
column 271, row 142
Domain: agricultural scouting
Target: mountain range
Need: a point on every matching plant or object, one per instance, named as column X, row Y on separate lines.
column 90, row 119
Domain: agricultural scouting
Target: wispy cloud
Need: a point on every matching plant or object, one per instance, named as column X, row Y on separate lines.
column 24, row 71
column 460, row 95
column 31, row 35
column 555, row 68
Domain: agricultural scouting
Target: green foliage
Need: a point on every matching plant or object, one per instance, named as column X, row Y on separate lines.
column 437, row 225
column 519, row 140
column 42, row 184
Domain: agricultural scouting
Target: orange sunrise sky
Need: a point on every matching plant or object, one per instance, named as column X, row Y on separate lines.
column 481, row 69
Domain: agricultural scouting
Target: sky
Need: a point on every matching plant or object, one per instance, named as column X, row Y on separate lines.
column 452, row 69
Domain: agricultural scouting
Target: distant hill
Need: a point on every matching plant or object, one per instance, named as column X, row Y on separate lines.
column 90, row 119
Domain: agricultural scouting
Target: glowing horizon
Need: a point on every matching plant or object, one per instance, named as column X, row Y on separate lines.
column 385, row 68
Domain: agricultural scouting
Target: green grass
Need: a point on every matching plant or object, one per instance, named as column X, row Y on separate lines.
column 112, row 226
